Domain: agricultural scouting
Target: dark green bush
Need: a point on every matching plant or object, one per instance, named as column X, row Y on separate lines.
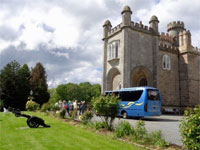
column 107, row 107
column 100, row 125
column 124, row 129
column 1, row 105
column 190, row 128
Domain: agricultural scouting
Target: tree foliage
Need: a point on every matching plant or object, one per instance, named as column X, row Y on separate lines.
column 83, row 91
column 38, row 83
column 14, row 85
column 190, row 129
column 107, row 107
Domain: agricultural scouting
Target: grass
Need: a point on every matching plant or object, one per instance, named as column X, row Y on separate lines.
column 16, row 135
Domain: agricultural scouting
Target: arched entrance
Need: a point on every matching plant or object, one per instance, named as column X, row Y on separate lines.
column 141, row 76
column 143, row 82
column 113, row 79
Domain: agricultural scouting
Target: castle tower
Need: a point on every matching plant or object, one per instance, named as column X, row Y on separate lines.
column 189, row 70
column 174, row 28
column 185, row 41
column 154, row 23
column 106, row 28
column 126, row 16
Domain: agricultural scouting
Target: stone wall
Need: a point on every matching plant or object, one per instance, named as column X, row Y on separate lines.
column 168, row 80
column 140, row 53
column 190, row 79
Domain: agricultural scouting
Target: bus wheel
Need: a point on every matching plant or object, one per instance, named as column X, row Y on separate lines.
column 125, row 115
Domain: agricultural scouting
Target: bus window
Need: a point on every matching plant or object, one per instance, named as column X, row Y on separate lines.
column 130, row 95
column 153, row 95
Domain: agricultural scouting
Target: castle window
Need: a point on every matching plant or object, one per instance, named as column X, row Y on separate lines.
column 113, row 50
column 166, row 62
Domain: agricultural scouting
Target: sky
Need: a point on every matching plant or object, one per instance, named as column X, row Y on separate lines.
column 66, row 35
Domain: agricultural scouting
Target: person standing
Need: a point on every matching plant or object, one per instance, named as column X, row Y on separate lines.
column 69, row 107
column 75, row 105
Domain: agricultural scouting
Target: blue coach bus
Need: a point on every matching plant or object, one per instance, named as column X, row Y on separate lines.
column 138, row 101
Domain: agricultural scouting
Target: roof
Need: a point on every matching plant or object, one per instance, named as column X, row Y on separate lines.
column 134, row 88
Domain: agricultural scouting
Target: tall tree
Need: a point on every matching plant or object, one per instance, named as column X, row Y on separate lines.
column 14, row 85
column 38, row 83
column 24, row 85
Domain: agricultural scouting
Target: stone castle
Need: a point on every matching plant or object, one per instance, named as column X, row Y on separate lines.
column 138, row 55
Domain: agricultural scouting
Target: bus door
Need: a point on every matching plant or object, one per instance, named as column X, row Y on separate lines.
column 153, row 102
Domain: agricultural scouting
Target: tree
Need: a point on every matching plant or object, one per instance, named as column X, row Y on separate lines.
column 14, row 85
column 86, row 93
column 107, row 107
column 95, row 90
column 38, row 83
column 83, row 91
column 24, row 85
column 190, row 128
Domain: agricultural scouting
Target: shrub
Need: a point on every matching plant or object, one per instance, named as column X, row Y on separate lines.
column 107, row 107
column 1, row 105
column 190, row 128
column 46, row 107
column 62, row 113
column 55, row 107
column 155, row 138
column 73, row 114
column 140, row 131
column 32, row 106
column 87, row 116
column 100, row 125
column 124, row 129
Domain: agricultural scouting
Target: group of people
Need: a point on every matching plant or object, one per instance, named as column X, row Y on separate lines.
column 72, row 105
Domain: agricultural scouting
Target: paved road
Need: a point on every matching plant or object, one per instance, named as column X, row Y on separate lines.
column 168, row 124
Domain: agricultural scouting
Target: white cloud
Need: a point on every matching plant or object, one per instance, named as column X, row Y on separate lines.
column 65, row 35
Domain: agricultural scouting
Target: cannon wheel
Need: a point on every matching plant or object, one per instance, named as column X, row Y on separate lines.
column 32, row 123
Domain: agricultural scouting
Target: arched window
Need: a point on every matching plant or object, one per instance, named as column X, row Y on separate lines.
column 113, row 50
column 166, row 62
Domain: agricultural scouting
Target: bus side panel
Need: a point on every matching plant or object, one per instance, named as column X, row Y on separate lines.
column 133, row 109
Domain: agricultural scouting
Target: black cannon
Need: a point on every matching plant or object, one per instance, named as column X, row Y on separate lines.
column 32, row 121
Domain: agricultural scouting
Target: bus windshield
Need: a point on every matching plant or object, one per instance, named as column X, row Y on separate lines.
column 153, row 95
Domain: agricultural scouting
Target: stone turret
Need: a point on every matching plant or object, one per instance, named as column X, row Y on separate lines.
column 126, row 16
column 185, row 41
column 173, row 28
column 106, row 28
column 154, row 23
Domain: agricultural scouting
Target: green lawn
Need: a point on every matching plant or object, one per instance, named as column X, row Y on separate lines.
column 16, row 135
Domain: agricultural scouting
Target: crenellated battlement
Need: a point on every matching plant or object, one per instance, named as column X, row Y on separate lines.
column 175, row 24
column 141, row 27
column 134, row 25
column 171, row 49
column 166, row 37
column 196, row 50
column 115, row 29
